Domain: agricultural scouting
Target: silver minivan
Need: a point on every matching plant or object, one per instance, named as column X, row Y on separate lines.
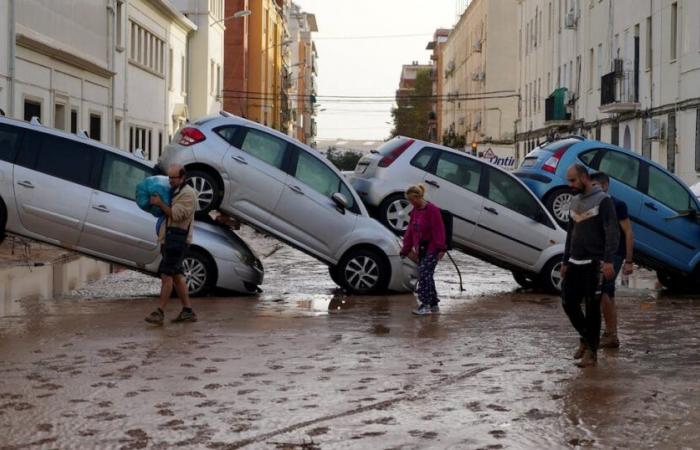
column 496, row 217
column 79, row 194
column 289, row 190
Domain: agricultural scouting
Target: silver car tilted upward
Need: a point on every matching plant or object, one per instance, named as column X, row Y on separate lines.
column 79, row 194
column 292, row 192
column 496, row 217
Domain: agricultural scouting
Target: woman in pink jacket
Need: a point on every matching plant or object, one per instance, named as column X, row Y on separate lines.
column 424, row 241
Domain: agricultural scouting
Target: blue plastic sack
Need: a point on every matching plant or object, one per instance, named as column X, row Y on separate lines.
column 159, row 185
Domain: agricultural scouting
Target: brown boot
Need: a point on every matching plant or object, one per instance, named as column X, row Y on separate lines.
column 609, row 340
column 580, row 351
column 589, row 359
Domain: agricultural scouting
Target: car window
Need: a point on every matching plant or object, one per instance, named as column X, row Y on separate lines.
column 459, row 170
column 668, row 191
column 314, row 173
column 121, row 175
column 65, row 159
column 588, row 157
column 265, row 147
column 622, row 167
column 228, row 133
column 9, row 138
column 422, row 159
column 507, row 192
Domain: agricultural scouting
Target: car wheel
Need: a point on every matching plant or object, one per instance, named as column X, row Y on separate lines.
column 558, row 203
column 394, row 213
column 208, row 191
column 525, row 280
column 550, row 277
column 200, row 272
column 335, row 276
column 674, row 282
column 364, row 272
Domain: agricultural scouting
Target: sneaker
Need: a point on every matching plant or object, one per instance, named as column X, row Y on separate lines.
column 156, row 317
column 589, row 360
column 435, row 309
column 423, row 310
column 185, row 316
column 609, row 340
column 580, row 351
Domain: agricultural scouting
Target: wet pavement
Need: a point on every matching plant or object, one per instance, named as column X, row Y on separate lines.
column 304, row 366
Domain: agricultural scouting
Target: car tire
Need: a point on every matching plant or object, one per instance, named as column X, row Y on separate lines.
column 550, row 278
column 557, row 203
column 200, row 272
column 674, row 283
column 525, row 280
column 364, row 271
column 393, row 213
column 335, row 276
column 208, row 189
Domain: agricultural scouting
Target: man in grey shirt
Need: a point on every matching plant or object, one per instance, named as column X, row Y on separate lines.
column 592, row 239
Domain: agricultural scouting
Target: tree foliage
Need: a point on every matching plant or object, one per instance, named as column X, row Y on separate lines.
column 412, row 113
column 343, row 160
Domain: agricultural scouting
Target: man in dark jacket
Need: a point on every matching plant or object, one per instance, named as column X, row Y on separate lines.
column 592, row 239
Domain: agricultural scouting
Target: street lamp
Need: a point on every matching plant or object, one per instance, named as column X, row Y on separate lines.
column 236, row 15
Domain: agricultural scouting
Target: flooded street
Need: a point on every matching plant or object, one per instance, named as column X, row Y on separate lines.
column 304, row 366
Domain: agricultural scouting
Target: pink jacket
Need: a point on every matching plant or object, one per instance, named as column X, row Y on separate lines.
column 425, row 225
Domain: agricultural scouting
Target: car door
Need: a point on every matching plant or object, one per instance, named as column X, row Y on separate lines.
column 624, row 171
column 513, row 225
column 10, row 139
column 254, row 164
column 115, row 227
column 453, row 184
column 306, row 213
column 672, row 240
column 51, row 180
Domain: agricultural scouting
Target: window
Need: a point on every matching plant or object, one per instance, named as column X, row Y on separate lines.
column 588, row 157
column 140, row 139
column 9, row 138
column 507, row 192
column 171, row 68
column 422, row 159
column 314, row 173
column 32, row 109
column 146, row 49
column 183, row 75
column 622, row 167
column 120, row 24
column 96, row 127
column 65, row 159
column 600, row 63
column 59, row 116
column 459, row 170
column 649, row 52
column 118, row 133
column 264, row 147
column 549, row 21
column 590, row 70
column 674, row 31
column 73, row 121
column 228, row 133
column 121, row 175
column 668, row 191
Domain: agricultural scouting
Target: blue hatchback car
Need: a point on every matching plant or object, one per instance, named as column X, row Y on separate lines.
column 663, row 210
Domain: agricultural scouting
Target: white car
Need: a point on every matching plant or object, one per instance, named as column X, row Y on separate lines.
column 495, row 216
column 77, row 193
column 292, row 192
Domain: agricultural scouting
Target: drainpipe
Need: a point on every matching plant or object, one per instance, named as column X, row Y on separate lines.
column 13, row 55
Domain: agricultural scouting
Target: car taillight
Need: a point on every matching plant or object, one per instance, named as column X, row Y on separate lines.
column 551, row 164
column 395, row 153
column 190, row 136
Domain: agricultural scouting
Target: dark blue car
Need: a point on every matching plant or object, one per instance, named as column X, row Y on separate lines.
column 663, row 210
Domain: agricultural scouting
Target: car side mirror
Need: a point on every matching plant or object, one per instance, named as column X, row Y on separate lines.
column 340, row 201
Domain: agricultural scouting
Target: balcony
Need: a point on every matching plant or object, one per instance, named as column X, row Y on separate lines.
column 617, row 93
column 555, row 113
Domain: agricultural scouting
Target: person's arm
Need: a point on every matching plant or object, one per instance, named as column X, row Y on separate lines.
column 183, row 208
column 408, row 237
column 567, row 247
column 611, row 230
column 157, row 201
column 626, row 226
column 438, row 232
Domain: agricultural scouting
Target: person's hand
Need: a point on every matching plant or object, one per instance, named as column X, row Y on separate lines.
column 413, row 256
column 628, row 268
column 564, row 267
column 156, row 200
column 608, row 271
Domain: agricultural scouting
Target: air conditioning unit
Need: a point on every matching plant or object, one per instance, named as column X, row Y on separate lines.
column 618, row 66
column 477, row 46
column 571, row 20
column 656, row 129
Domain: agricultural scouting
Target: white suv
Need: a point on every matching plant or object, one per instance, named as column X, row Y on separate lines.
column 496, row 217
column 292, row 192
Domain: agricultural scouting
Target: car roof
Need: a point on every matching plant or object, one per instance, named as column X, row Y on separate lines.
column 74, row 137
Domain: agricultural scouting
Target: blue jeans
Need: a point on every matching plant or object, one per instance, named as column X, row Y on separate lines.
column 427, row 294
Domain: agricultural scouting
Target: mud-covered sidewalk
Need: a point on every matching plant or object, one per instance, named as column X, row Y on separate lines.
column 303, row 366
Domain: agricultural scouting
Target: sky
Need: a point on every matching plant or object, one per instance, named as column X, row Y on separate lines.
column 369, row 67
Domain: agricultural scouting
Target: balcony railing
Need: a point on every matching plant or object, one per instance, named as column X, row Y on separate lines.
column 618, row 93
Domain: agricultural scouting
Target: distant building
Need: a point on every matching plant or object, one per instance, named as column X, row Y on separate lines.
column 437, row 45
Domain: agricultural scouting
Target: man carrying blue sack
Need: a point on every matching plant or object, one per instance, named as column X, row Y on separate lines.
column 175, row 235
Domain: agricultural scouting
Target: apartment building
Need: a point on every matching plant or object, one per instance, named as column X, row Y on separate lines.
column 479, row 79
column 622, row 71
column 303, row 71
column 437, row 46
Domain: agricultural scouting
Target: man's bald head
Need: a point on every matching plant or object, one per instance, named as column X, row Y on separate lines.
column 176, row 175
